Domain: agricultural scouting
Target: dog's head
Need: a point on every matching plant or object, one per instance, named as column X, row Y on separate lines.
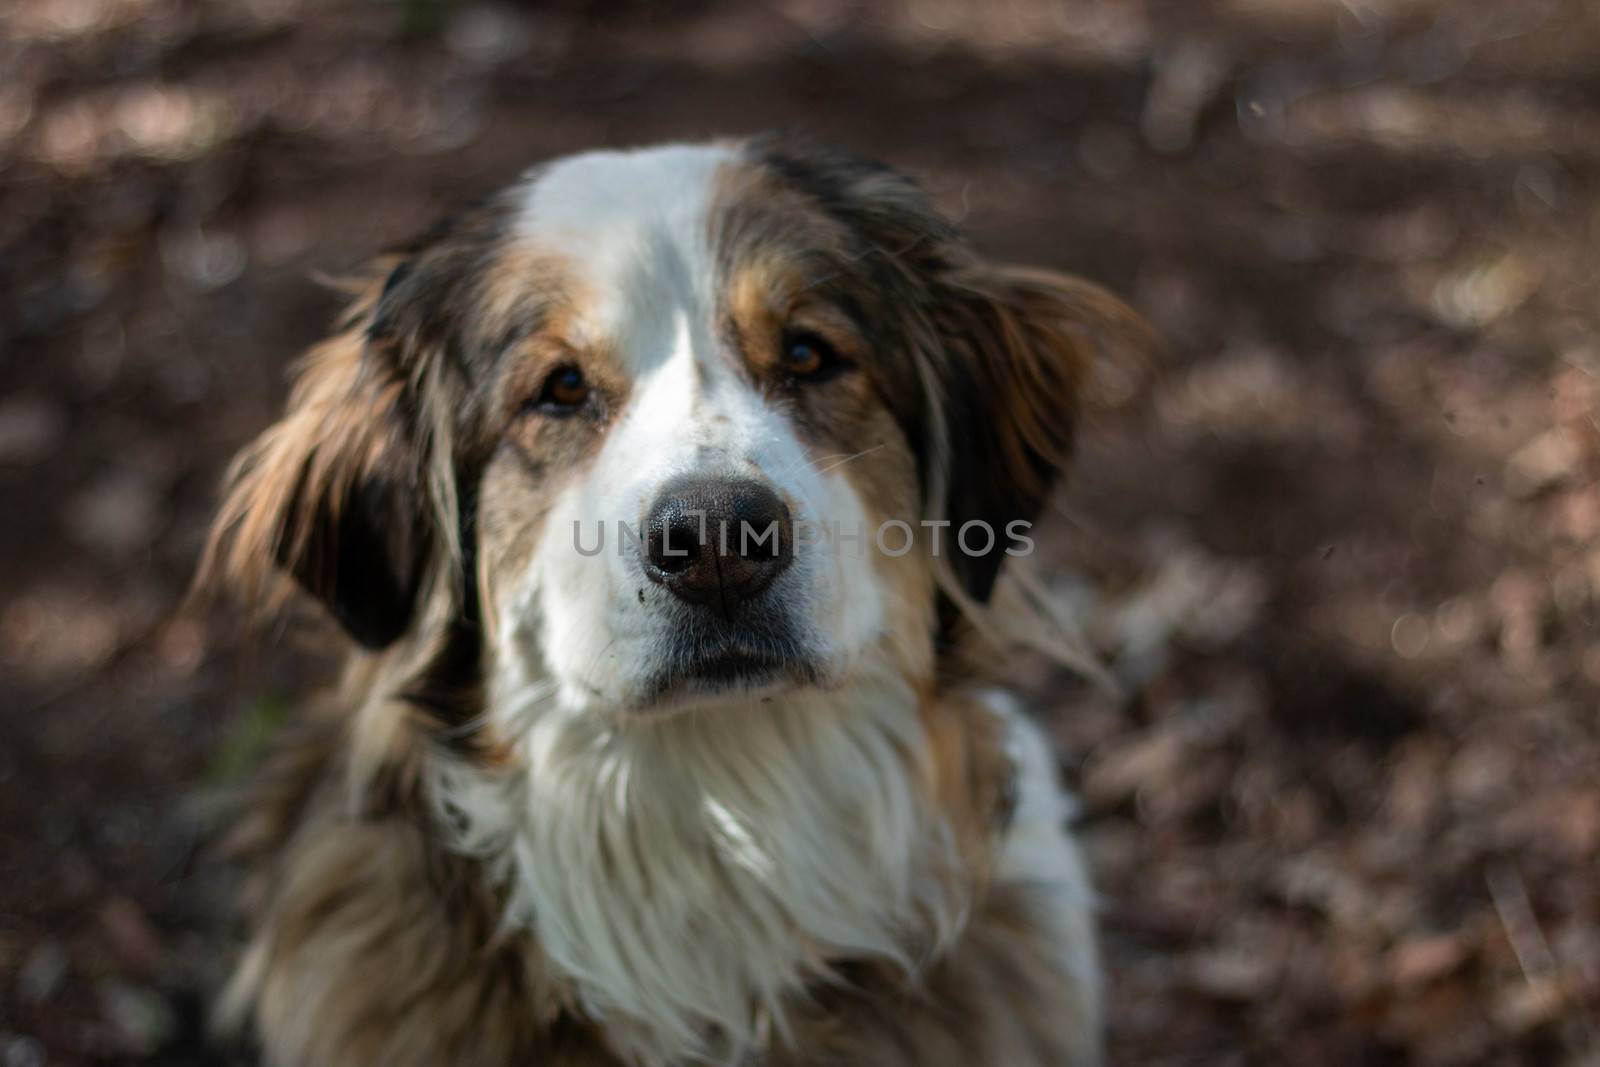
column 667, row 427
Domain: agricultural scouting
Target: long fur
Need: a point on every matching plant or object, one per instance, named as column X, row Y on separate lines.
column 379, row 941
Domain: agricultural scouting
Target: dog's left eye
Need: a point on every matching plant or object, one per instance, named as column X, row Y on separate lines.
column 564, row 391
column 807, row 357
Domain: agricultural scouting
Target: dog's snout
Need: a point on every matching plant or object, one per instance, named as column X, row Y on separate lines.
column 716, row 541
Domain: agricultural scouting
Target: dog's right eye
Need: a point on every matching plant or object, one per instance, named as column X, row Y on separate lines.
column 564, row 391
column 809, row 358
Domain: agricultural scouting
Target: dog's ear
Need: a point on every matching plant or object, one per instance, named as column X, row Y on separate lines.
column 1019, row 346
column 334, row 494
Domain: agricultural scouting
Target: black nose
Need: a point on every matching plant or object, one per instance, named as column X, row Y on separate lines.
column 716, row 541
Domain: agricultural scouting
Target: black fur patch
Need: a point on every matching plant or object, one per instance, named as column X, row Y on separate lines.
column 364, row 556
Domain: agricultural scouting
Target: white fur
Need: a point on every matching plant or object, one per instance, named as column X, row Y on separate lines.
column 634, row 217
column 1039, row 852
column 689, row 875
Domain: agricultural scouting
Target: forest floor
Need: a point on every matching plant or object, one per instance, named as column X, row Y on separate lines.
column 1339, row 548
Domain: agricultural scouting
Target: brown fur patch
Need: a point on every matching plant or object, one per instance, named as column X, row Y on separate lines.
column 982, row 366
column 971, row 774
column 539, row 454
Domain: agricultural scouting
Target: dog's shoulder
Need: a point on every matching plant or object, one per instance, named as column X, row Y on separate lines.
column 1002, row 994
column 370, row 941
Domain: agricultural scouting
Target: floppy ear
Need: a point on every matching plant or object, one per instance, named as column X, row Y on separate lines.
column 1019, row 345
column 333, row 494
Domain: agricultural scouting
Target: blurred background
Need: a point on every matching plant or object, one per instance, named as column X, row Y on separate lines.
column 1339, row 548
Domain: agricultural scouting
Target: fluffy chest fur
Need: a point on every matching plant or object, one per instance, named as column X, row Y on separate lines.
column 611, row 932
column 689, row 883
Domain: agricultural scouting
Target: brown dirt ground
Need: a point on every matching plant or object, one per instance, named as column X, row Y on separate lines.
column 1339, row 548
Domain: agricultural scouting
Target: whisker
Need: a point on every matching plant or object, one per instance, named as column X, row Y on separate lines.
column 847, row 459
column 794, row 465
column 533, row 699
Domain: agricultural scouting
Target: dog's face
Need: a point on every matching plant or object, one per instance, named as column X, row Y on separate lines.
column 695, row 418
column 675, row 427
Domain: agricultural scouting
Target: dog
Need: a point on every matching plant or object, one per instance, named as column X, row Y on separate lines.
column 666, row 502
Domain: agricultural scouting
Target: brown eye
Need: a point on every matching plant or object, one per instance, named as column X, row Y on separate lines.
column 564, row 391
column 807, row 357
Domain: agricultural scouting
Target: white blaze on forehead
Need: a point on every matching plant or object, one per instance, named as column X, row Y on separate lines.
column 634, row 231
column 633, row 227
